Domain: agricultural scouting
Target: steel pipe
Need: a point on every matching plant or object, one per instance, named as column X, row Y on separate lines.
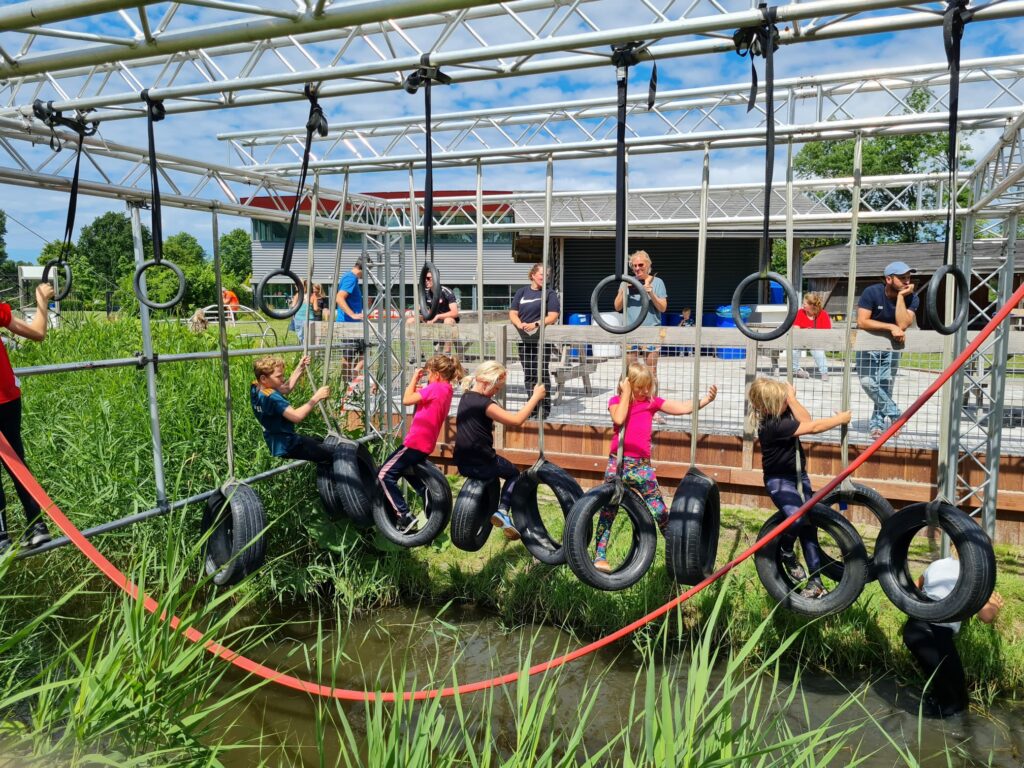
column 20, row 15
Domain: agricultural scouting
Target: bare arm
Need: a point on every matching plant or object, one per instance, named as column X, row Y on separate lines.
column 295, row 415
column 496, row 413
column 904, row 317
column 289, row 385
column 683, row 407
column 620, row 410
column 550, row 318
column 513, row 317
column 867, row 323
column 35, row 330
column 816, row 426
column 800, row 413
column 411, row 396
column 341, row 301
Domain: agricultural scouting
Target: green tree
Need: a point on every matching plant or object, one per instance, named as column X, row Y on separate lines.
column 3, row 236
column 105, row 254
column 184, row 250
column 52, row 250
column 236, row 255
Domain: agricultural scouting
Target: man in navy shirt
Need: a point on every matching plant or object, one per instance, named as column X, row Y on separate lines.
column 524, row 314
column 886, row 307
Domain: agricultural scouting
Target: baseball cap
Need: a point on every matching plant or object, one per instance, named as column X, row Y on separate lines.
column 898, row 268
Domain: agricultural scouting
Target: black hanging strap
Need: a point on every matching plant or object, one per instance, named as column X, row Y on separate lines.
column 954, row 19
column 315, row 123
column 155, row 112
column 763, row 40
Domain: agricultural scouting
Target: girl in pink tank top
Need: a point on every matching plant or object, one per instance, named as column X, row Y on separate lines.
column 632, row 412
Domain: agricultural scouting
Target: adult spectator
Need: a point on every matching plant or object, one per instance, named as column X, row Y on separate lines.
column 309, row 311
column 524, row 314
column 640, row 263
column 932, row 644
column 811, row 315
column 231, row 303
column 886, row 307
column 447, row 313
column 349, row 304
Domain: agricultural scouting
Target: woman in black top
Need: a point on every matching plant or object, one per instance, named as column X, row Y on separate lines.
column 780, row 420
column 475, row 456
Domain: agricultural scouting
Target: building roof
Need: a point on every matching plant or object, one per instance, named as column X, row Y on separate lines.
column 926, row 258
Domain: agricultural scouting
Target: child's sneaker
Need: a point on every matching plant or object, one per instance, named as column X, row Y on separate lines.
column 500, row 519
column 602, row 565
column 407, row 523
column 814, row 590
column 36, row 535
column 792, row 566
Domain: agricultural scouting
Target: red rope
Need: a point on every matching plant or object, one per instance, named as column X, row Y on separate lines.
column 21, row 472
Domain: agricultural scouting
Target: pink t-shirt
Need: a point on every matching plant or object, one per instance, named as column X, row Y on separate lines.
column 430, row 414
column 638, row 427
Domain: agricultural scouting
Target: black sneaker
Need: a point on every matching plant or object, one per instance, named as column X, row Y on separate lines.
column 793, row 568
column 35, row 535
column 407, row 523
column 814, row 590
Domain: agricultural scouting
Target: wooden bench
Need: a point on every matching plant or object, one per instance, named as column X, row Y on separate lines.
column 568, row 368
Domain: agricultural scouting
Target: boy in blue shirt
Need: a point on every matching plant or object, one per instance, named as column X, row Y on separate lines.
column 276, row 415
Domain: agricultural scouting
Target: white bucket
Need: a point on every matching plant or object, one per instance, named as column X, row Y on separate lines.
column 609, row 350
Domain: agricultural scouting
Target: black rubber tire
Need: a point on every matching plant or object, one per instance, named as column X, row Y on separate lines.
column 579, row 532
column 526, row 512
column 931, row 299
column 269, row 311
column 471, row 515
column 438, row 508
column 595, row 307
column 691, row 536
column 66, row 288
column 348, row 484
column 141, row 295
column 430, row 301
column 977, row 564
column 862, row 496
column 844, row 593
column 785, row 325
column 235, row 546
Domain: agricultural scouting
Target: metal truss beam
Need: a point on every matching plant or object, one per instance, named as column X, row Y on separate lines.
column 812, row 21
column 1001, row 171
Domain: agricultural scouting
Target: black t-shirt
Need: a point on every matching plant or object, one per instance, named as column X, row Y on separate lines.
column 474, row 431
column 779, row 446
column 527, row 303
column 447, row 300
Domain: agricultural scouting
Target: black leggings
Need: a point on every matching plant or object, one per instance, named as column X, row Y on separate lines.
column 10, row 426
column 937, row 657
column 309, row 449
column 502, row 468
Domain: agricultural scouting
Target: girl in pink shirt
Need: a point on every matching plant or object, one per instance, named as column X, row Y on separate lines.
column 432, row 405
column 633, row 411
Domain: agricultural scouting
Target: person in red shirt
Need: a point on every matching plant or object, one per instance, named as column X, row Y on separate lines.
column 10, row 416
column 812, row 315
column 231, row 303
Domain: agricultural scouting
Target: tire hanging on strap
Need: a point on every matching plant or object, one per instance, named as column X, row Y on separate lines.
column 955, row 18
column 471, row 515
column 348, row 484
column 977, row 577
column 155, row 112
column 437, row 506
column 694, row 521
column 47, row 114
column 315, row 123
column 623, row 57
column 763, row 41
column 858, row 495
column 425, row 76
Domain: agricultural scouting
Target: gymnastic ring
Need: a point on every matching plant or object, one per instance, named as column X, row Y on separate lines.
column 862, row 496
column 235, row 546
column 430, row 301
column 931, row 299
column 437, row 506
column 783, row 589
column 67, row 277
column 691, row 536
column 261, row 299
column 579, row 532
column 141, row 295
column 526, row 511
column 977, row 576
column 595, row 309
column 471, row 515
column 348, row 483
column 785, row 325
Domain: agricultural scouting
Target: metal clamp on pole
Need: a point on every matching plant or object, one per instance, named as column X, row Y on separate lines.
column 155, row 112
column 52, row 117
column 426, row 76
column 315, row 123
column 763, row 40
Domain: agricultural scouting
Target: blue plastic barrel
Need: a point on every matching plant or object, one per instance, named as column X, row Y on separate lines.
column 775, row 294
column 580, row 318
column 730, row 353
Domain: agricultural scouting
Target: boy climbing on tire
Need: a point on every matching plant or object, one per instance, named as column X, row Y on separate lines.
column 277, row 416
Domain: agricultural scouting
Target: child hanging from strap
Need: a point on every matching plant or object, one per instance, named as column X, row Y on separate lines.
column 474, row 436
column 634, row 408
column 432, row 405
column 277, row 416
column 780, row 419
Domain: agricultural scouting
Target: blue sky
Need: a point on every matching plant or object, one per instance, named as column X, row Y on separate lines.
column 194, row 135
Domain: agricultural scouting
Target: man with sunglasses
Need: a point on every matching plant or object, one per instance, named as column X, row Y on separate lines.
column 887, row 307
column 640, row 264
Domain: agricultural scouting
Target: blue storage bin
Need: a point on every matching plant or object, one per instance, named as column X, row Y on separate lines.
column 732, row 353
column 726, row 321
column 775, row 293
column 581, row 318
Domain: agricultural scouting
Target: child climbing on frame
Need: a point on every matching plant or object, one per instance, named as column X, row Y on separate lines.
column 632, row 412
column 432, row 405
column 475, row 456
column 780, row 419
column 277, row 416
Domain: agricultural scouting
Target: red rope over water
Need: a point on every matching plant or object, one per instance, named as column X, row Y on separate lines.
column 21, row 472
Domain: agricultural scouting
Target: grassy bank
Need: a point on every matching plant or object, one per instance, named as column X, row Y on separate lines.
column 88, row 441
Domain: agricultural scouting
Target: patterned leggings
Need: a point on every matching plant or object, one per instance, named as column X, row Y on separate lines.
column 637, row 474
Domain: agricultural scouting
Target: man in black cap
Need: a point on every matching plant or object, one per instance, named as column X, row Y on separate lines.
column 888, row 307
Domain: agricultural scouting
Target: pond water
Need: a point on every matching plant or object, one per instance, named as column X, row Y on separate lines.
column 417, row 649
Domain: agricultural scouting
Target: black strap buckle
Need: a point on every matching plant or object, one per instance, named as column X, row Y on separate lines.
column 426, row 73
column 762, row 40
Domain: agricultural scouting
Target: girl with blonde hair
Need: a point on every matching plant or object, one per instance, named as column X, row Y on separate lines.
column 780, row 419
column 633, row 411
column 475, row 456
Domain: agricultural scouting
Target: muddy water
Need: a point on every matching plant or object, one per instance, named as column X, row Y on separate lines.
column 402, row 648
